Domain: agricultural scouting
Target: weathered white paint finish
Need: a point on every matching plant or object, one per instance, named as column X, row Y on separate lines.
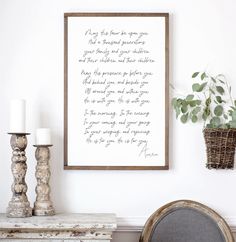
column 28, row 240
column 7, row 240
column 19, row 206
column 13, row 240
column 57, row 234
column 79, row 227
column 43, row 205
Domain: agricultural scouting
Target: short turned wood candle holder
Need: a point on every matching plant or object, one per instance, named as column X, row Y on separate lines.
column 43, row 206
column 19, row 206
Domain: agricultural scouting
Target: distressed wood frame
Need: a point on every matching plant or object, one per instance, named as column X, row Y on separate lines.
column 166, row 165
column 168, row 208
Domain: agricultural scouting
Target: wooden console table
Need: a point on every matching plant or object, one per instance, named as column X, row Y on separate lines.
column 60, row 227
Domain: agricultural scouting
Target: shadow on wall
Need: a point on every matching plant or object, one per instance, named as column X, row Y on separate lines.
column 57, row 193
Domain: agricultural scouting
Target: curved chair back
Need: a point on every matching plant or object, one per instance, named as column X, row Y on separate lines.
column 186, row 221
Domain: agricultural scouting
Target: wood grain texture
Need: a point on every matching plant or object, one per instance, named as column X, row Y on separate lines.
column 66, row 167
column 111, row 14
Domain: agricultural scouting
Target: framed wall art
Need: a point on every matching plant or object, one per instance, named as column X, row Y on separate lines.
column 116, row 91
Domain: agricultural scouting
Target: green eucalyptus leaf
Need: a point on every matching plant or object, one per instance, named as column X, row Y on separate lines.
column 207, row 111
column 213, row 79
column 202, row 86
column 194, row 118
column 177, row 103
column 204, row 116
column 184, row 108
column 196, row 110
column 220, row 90
column 174, row 100
column 208, row 101
column 196, row 87
column 225, row 116
column 177, row 111
column 195, row 74
column 184, row 118
column 234, row 115
column 210, row 126
column 180, row 101
column 220, row 100
column 198, row 102
column 215, row 121
column 230, row 112
column 232, row 124
column 220, row 76
column 221, row 81
column 234, row 102
column 192, row 103
column 218, row 111
column 203, row 75
column 189, row 97
column 224, row 126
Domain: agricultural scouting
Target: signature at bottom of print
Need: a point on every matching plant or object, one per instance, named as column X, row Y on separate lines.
column 145, row 151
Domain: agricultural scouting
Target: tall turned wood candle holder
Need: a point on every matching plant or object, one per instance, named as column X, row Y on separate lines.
column 43, row 205
column 19, row 206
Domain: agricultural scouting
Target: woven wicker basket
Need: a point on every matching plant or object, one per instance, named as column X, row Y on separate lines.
column 220, row 148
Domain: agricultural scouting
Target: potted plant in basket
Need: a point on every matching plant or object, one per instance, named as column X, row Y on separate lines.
column 211, row 102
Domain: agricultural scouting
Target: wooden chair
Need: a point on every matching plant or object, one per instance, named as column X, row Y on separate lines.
column 186, row 221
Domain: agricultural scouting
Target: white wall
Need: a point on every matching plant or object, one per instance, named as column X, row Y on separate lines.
column 202, row 35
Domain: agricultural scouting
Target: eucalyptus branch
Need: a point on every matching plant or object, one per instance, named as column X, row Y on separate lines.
column 210, row 105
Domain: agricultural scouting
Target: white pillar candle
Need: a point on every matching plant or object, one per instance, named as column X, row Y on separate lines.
column 17, row 116
column 43, row 136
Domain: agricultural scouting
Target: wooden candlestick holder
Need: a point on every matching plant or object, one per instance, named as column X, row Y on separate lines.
column 43, row 205
column 19, row 206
